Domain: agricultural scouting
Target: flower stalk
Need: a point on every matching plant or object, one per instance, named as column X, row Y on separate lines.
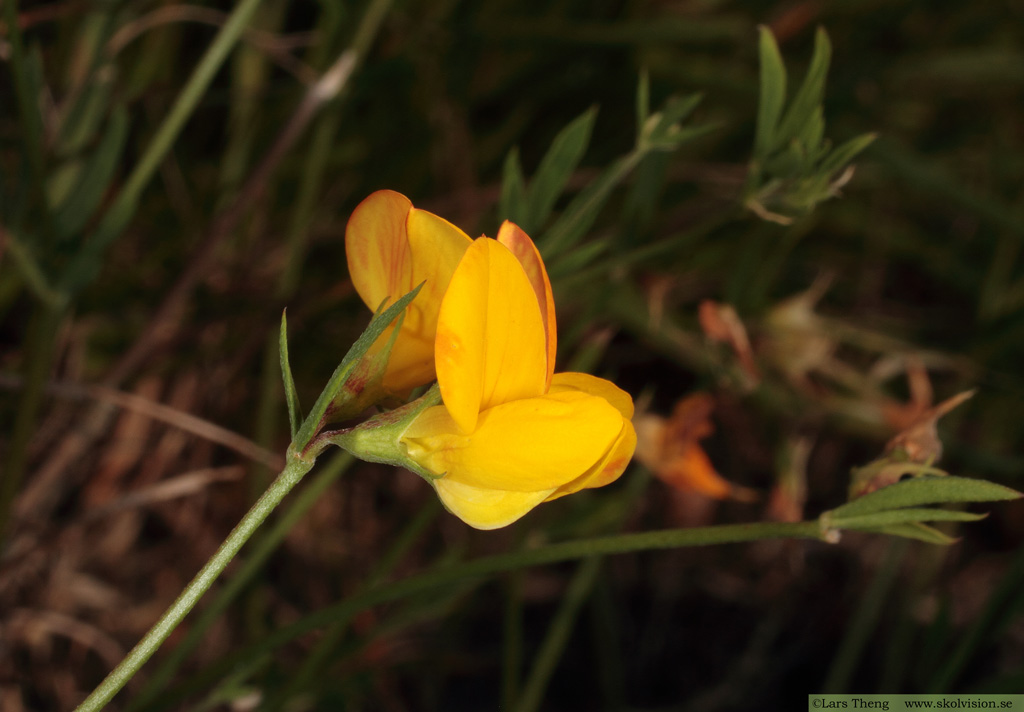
column 119, row 676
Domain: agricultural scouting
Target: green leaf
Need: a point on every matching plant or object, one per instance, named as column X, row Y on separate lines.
column 667, row 134
column 921, row 532
column 901, row 516
column 377, row 325
column 512, row 205
column 812, row 134
column 581, row 213
column 773, row 94
column 556, row 168
column 809, row 97
column 643, row 104
column 845, row 153
column 926, row 490
column 291, row 397
column 75, row 211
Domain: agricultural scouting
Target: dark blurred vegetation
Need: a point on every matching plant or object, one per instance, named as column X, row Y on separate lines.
column 115, row 494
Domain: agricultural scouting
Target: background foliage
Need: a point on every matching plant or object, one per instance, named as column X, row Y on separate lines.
column 169, row 182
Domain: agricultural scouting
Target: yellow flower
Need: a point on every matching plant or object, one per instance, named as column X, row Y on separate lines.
column 391, row 248
column 512, row 434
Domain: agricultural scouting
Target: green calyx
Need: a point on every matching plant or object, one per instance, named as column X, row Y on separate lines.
column 379, row 439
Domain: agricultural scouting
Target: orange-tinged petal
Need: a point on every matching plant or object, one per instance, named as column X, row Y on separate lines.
column 490, row 346
column 608, row 469
column 524, row 445
column 391, row 248
column 377, row 247
column 520, row 245
column 595, row 386
column 484, row 508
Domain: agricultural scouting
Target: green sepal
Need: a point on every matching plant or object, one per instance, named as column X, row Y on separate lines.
column 363, row 387
column 378, row 324
column 379, row 439
column 290, row 395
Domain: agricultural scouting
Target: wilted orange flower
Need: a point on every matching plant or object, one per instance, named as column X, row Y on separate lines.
column 670, row 448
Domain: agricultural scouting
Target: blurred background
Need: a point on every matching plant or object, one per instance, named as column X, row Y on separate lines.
column 172, row 175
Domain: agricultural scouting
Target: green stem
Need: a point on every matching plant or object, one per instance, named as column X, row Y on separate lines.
column 864, row 621
column 255, row 559
column 558, row 635
column 117, row 679
column 312, row 668
column 488, row 566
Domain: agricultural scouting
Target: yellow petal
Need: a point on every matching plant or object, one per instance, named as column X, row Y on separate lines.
column 486, row 508
column 525, row 445
column 520, row 245
column 377, row 247
column 608, row 469
column 490, row 346
column 411, row 363
column 595, row 386
column 436, row 246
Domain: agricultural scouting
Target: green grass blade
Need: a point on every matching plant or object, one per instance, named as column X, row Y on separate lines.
column 86, row 264
column 74, row 212
column 773, row 94
column 643, row 104
column 558, row 634
column 513, row 204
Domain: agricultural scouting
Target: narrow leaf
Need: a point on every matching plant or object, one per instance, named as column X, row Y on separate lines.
column 643, row 104
column 773, row 94
column 377, row 325
column 902, row 516
column 926, row 490
column 921, row 532
column 581, row 213
column 811, row 91
column 557, row 166
column 512, row 205
column 290, row 394
column 845, row 153
column 667, row 132
column 75, row 211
